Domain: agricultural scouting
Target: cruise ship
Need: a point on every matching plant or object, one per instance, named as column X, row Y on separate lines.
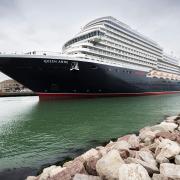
column 106, row 58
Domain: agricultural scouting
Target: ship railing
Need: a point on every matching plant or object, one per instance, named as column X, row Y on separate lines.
column 49, row 53
column 163, row 75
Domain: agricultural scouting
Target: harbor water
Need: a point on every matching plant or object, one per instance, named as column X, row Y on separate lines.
column 34, row 133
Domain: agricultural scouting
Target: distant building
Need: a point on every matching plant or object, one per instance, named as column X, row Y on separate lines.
column 9, row 86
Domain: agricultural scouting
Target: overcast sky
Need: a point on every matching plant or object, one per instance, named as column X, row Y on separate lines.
column 27, row 25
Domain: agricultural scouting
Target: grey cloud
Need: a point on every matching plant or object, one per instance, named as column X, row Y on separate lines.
column 47, row 24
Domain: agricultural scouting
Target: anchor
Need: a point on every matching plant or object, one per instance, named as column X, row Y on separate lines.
column 74, row 66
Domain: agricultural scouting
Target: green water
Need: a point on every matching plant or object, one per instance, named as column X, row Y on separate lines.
column 34, row 132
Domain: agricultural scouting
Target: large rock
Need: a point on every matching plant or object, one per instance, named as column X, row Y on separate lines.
column 149, row 167
column 151, row 147
column 159, row 177
column 102, row 150
column 124, row 138
column 90, row 165
column 124, row 153
column 167, row 135
column 55, row 173
column 85, row 177
column 131, row 139
column 91, row 159
column 177, row 159
column 164, row 127
column 170, row 170
column 147, row 136
column 148, row 157
column 75, row 167
column 91, row 153
column 109, row 145
column 108, row 166
column 46, row 172
column 60, row 173
column 120, row 145
column 133, row 172
column 31, row 178
column 166, row 150
column 134, row 141
column 172, row 119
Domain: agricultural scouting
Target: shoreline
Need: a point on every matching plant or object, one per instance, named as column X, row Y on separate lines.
column 22, row 172
column 153, row 153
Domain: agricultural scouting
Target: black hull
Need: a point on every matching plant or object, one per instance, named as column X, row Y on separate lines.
column 47, row 76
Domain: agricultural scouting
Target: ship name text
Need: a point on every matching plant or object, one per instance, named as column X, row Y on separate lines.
column 55, row 61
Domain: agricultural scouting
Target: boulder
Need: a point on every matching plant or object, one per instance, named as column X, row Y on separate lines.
column 170, row 170
column 172, row 119
column 148, row 157
column 133, row 172
column 85, row 177
column 147, row 135
column 164, row 127
column 178, row 122
column 31, row 178
column 108, row 166
column 60, row 173
column 102, row 150
column 178, row 139
column 91, row 153
column 166, row 150
column 90, row 165
column 142, row 145
column 75, row 167
column 147, row 128
column 55, row 173
column 177, row 159
column 166, row 135
column 120, row 145
column 132, row 153
column 134, row 141
column 149, row 167
column 46, row 172
column 151, row 147
column 108, row 146
column 124, row 154
column 68, row 163
column 159, row 177
column 124, row 138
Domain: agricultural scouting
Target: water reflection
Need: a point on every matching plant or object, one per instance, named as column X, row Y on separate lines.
column 13, row 112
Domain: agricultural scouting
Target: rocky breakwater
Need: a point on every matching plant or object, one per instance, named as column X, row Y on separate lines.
column 152, row 155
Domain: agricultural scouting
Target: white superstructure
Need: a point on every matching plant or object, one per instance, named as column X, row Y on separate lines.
column 111, row 41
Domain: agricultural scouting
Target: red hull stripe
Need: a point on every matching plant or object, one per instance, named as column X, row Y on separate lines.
column 103, row 94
